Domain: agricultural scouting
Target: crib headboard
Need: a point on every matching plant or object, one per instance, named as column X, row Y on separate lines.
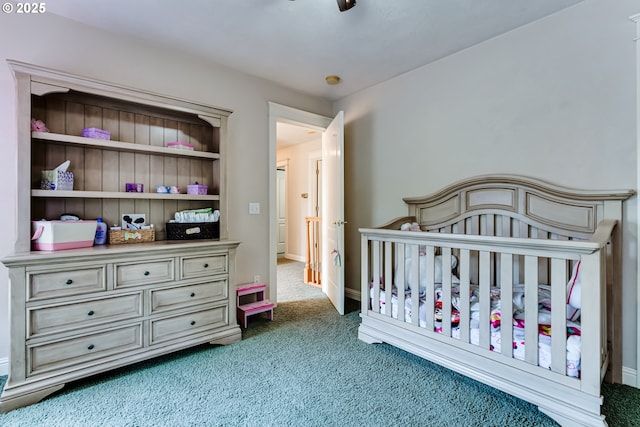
column 516, row 206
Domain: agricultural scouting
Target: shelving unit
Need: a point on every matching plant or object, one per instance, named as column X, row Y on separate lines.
column 82, row 311
column 137, row 153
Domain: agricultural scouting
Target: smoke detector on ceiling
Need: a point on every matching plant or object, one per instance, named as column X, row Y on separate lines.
column 332, row 80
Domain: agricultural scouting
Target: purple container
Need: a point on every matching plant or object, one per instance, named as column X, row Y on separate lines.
column 96, row 133
column 197, row 189
column 134, row 187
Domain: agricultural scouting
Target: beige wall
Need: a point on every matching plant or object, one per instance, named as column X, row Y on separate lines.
column 298, row 182
column 57, row 43
column 554, row 100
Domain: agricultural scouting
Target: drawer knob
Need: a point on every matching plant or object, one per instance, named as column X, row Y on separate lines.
column 91, row 346
column 193, row 322
column 69, row 281
column 146, row 273
column 90, row 313
column 193, row 294
column 206, row 266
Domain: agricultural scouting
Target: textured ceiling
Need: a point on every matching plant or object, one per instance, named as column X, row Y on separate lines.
column 298, row 43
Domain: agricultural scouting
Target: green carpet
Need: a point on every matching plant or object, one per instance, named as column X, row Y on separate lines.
column 306, row 368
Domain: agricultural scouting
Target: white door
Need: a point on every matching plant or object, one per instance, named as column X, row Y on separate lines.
column 332, row 275
column 281, row 211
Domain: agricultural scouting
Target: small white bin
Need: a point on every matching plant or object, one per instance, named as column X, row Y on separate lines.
column 58, row 235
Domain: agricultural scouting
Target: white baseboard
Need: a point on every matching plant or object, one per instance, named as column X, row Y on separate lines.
column 295, row 257
column 629, row 377
column 352, row 294
column 4, row 366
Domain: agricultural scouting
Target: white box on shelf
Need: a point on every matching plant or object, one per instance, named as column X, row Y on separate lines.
column 58, row 235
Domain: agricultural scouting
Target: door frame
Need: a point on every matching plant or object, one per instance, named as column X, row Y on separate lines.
column 284, row 165
column 283, row 113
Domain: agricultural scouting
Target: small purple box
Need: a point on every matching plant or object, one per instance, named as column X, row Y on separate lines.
column 133, row 187
column 96, row 133
column 197, row 189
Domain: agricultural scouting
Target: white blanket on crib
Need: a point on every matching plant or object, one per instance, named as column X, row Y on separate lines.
column 518, row 344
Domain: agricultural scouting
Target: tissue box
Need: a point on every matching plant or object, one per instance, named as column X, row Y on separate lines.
column 58, row 235
column 193, row 230
column 197, row 189
column 56, row 180
column 96, row 133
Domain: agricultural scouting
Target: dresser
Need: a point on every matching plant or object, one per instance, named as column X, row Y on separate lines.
column 79, row 312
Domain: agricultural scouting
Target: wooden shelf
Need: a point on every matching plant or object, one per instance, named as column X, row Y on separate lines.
column 119, row 195
column 122, row 146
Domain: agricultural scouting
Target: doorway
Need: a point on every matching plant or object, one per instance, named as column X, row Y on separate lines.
column 279, row 114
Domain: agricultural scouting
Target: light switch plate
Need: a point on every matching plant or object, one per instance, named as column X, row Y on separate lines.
column 254, row 208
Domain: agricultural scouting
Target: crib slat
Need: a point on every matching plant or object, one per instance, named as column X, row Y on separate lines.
column 490, row 230
column 473, row 228
column 364, row 274
column 400, row 279
column 558, row 315
column 531, row 309
column 446, row 292
column 388, row 278
column 506, row 304
column 465, row 309
column 485, row 298
column 591, row 323
column 544, row 274
column 375, row 303
column 506, row 226
column 415, row 285
column 430, row 291
column 517, row 260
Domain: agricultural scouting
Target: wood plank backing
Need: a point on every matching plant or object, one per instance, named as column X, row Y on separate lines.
column 106, row 170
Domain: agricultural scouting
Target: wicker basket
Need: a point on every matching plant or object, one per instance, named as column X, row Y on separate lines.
column 193, row 230
column 117, row 237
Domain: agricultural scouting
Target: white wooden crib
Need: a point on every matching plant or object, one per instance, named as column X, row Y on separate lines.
column 512, row 242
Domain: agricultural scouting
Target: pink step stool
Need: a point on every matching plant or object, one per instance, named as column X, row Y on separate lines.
column 261, row 304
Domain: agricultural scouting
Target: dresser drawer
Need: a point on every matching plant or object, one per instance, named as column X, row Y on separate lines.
column 189, row 295
column 203, row 266
column 82, row 314
column 145, row 272
column 64, row 282
column 83, row 349
column 188, row 324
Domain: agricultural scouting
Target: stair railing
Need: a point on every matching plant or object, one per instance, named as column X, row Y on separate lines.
column 313, row 258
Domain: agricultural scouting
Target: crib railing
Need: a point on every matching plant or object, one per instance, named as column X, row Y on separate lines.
column 491, row 262
column 313, row 252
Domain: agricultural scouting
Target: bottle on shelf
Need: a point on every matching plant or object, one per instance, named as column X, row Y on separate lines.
column 101, row 233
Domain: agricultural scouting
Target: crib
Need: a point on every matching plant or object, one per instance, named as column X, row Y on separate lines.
column 509, row 280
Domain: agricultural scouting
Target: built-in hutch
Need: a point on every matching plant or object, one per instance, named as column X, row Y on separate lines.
column 77, row 312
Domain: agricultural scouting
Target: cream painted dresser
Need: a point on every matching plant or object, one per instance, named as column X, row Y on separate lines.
column 77, row 312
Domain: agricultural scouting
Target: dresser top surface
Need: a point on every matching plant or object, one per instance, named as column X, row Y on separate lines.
column 103, row 252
